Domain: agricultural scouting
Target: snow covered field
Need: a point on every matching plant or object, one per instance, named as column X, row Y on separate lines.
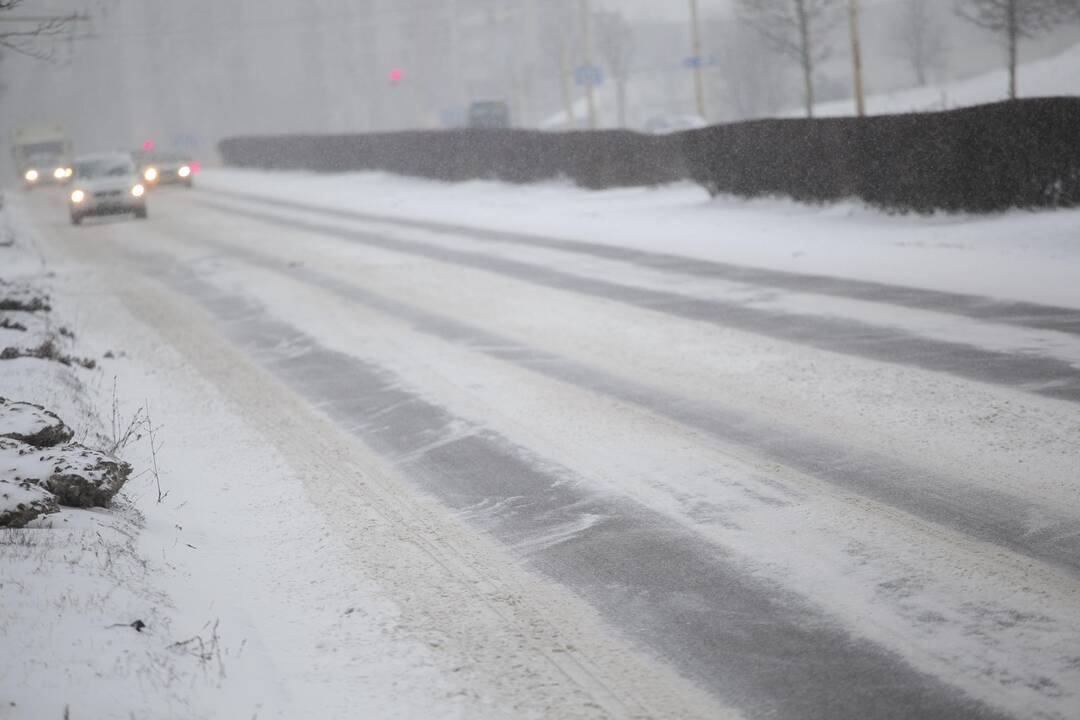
column 442, row 450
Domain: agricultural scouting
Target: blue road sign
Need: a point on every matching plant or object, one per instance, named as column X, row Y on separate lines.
column 589, row 75
column 696, row 61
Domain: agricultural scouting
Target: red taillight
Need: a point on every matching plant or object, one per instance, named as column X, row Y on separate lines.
column 194, row 165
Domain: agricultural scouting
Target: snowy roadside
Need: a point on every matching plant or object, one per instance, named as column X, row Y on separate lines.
column 80, row 598
column 1019, row 256
column 147, row 608
column 106, row 612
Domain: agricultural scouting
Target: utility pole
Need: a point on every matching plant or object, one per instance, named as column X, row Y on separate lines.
column 586, row 27
column 699, row 61
column 856, row 58
column 456, row 67
column 566, row 79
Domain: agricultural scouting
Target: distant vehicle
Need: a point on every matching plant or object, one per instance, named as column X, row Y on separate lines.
column 165, row 168
column 490, row 114
column 42, row 154
column 106, row 185
column 668, row 124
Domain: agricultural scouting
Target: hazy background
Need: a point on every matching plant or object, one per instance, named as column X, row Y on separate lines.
column 187, row 72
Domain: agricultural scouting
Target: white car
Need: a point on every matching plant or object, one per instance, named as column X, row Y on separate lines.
column 106, row 185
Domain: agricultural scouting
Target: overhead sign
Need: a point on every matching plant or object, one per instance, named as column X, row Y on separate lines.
column 589, row 75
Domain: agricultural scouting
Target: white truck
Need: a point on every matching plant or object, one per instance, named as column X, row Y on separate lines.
column 42, row 154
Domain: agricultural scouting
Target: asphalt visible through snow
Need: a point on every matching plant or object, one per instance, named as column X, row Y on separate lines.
column 759, row 645
column 1041, row 375
column 1022, row 314
column 755, row 644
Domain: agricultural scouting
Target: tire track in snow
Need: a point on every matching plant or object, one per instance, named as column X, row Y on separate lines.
column 1039, row 375
column 754, row 644
column 1009, row 312
column 998, row 518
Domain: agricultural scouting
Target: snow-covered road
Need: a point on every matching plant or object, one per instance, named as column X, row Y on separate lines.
column 724, row 488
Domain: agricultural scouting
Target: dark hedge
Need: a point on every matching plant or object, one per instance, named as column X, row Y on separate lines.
column 1022, row 154
column 595, row 160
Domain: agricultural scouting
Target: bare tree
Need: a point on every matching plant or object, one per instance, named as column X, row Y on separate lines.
column 560, row 43
column 1015, row 20
column 24, row 36
column 615, row 43
column 919, row 33
column 753, row 81
column 798, row 29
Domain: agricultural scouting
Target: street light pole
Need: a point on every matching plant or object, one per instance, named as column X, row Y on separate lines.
column 699, row 62
column 856, row 58
column 586, row 27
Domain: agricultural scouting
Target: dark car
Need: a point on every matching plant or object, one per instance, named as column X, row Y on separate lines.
column 165, row 168
column 492, row 114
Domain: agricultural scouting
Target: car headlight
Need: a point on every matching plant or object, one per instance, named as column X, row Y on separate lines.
column 67, row 172
column 78, row 196
column 59, row 173
column 184, row 171
column 138, row 190
column 31, row 175
column 150, row 174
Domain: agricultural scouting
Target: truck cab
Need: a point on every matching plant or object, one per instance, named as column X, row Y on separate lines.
column 42, row 155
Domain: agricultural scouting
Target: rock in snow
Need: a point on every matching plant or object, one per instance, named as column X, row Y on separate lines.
column 40, row 468
column 21, row 502
column 32, row 424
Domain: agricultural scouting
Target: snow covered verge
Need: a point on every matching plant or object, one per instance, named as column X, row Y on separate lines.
column 1050, row 77
column 140, row 609
column 1026, row 256
column 41, row 468
column 85, row 622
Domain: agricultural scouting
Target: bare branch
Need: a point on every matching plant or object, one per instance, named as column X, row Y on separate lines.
column 24, row 37
column 798, row 29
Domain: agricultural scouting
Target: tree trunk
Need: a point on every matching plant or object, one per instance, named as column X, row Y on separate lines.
column 620, row 90
column 564, row 84
column 920, row 71
column 806, row 58
column 1014, row 40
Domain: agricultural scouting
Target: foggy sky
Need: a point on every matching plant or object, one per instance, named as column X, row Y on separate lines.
column 190, row 72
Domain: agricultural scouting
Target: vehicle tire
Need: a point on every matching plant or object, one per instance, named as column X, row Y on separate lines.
column 76, row 219
column 140, row 213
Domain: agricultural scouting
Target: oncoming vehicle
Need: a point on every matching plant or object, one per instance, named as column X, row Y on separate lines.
column 42, row 154
column 164, row 168
column 106, row 185
column 489, row 114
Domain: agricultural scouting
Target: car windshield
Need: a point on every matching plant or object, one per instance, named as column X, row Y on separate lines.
column 110, row 167
column 44, row 148
column 42, row 160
